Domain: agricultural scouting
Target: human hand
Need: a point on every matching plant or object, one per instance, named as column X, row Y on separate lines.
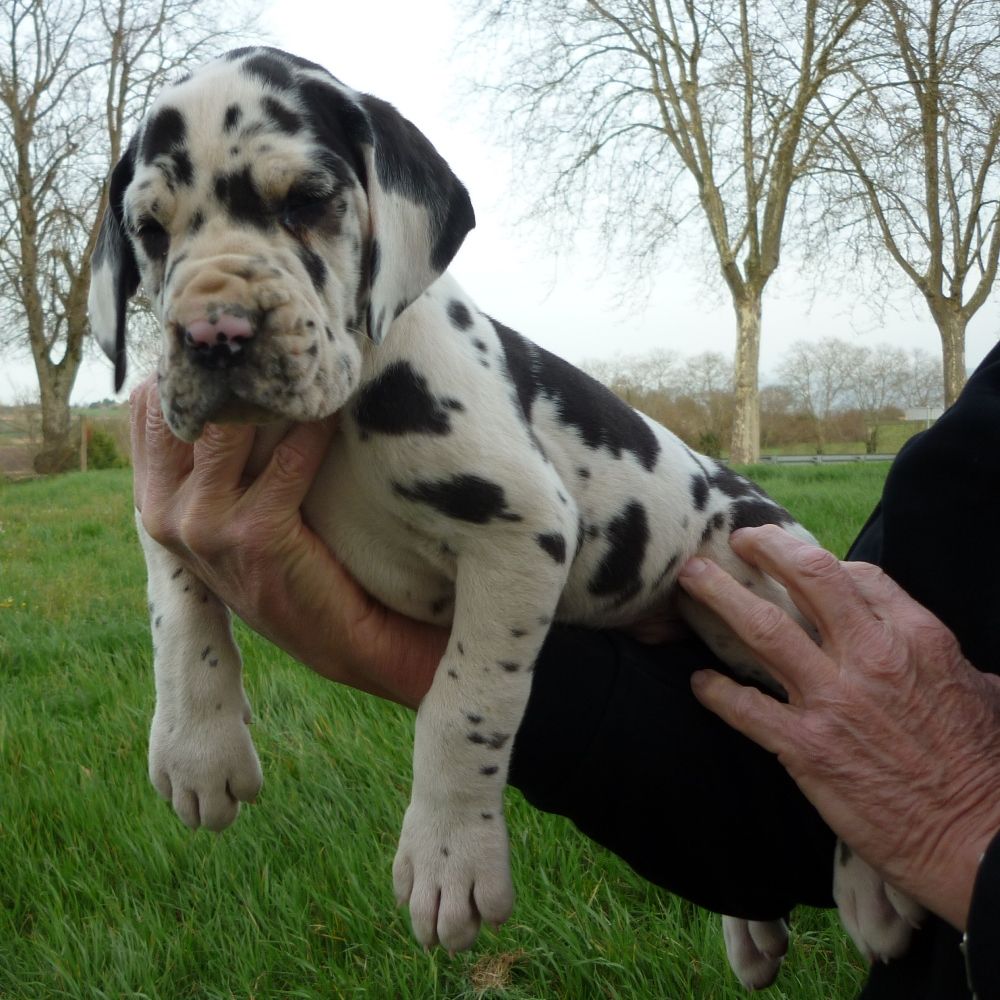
column 890, row 732
column 244, row 536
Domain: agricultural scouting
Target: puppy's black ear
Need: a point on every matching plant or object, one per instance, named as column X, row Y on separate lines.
column 114, row 274
column 420, row 213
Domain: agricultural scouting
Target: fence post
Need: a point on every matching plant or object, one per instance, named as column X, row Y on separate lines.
column 84, row 428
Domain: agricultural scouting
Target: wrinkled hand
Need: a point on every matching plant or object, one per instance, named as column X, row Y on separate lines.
column 245, row 538
column 890, row 732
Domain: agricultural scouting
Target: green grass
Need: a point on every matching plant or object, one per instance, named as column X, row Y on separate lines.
column 103, row 893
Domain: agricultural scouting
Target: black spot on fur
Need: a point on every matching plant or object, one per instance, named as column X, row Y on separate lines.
column 459, row 315
column 453, row 674
column 474, row 719
column 166, row 132
column 234, row 113
column 205, row 652
column 270, row 70
column 509, row 666
column 399, row 402
column 283, row 117
column 486, row 815
column 314, row 264
column 464, row 497
column 196, row 223
column 600, row 418
column 699, row 491
column 715, row 522
column 177, row 572
column 489, row 770
column 753, row 513
column 518, row 633
column 241, row 199
column 618, row 574
column 553, row 543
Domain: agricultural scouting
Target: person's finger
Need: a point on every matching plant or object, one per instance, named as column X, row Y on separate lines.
column 220, row 457
column 165, row 459
column 138, row 403
column 780, row 643
column 289, row 474
column 758, row 716
column 815, row 579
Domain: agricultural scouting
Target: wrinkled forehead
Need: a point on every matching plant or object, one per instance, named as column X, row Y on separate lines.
column 252, row 121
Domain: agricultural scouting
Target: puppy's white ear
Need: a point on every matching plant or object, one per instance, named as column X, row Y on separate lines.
column 114, row 274
column 420, row 213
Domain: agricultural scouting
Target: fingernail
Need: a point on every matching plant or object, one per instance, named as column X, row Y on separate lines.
column 694, row 566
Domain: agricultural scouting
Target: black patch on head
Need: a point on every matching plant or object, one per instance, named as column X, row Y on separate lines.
column 337, row 122
column 314, row 264
column 407, row 164
column 600, row 418
column 399, row 402
column 459, row 315
column 753, row 513
column 241, row 199
column 166, row 131
column 553, row 543
column 618, row 575
column 234, row 113
column 463, row 497
column 699, row 491
column 283, row 117
column 268, row 69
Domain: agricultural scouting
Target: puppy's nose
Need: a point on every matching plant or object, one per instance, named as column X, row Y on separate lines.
column 218, row 342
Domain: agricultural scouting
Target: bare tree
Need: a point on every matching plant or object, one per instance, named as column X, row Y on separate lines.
column 819, row 375
column 655, row 110
column 74, row 75
column 923, row 386
column 917, row 142
column 878, row 383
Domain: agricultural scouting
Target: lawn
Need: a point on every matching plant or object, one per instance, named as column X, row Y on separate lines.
column 103, row 893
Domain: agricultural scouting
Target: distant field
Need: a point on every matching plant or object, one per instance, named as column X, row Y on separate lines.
column 103, row 893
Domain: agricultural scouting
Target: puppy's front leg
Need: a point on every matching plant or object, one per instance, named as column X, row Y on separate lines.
column 453, row 863
column 201, row 757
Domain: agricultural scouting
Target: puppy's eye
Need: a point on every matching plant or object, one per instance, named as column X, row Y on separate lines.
column 302, row 210
column 154, row 238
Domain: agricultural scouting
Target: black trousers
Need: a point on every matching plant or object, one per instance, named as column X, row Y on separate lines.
column 614, row 739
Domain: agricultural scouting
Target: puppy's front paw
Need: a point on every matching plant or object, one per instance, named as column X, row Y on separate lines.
column 878, row 918
column 454, row 871
column 205, row 765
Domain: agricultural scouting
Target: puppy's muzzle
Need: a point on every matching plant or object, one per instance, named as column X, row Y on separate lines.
column 219, row 342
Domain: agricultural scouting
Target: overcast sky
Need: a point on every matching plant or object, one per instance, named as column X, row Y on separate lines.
column 406, row 53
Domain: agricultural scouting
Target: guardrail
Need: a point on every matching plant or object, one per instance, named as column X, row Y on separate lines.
column 823, row 459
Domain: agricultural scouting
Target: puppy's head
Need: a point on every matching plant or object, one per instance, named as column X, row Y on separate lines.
column 274, row 218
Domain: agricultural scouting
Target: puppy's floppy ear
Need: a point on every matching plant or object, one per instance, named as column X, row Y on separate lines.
column 114, row 274
column 420, row 213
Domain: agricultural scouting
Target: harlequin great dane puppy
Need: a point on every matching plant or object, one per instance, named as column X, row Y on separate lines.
column 292, row 236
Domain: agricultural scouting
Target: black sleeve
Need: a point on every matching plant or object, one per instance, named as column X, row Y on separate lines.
column 614, row 739
column 982, row 938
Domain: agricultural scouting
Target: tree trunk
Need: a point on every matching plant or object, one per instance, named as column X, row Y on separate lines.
column 745, row 446
column 952, row 329
column 59, row 452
